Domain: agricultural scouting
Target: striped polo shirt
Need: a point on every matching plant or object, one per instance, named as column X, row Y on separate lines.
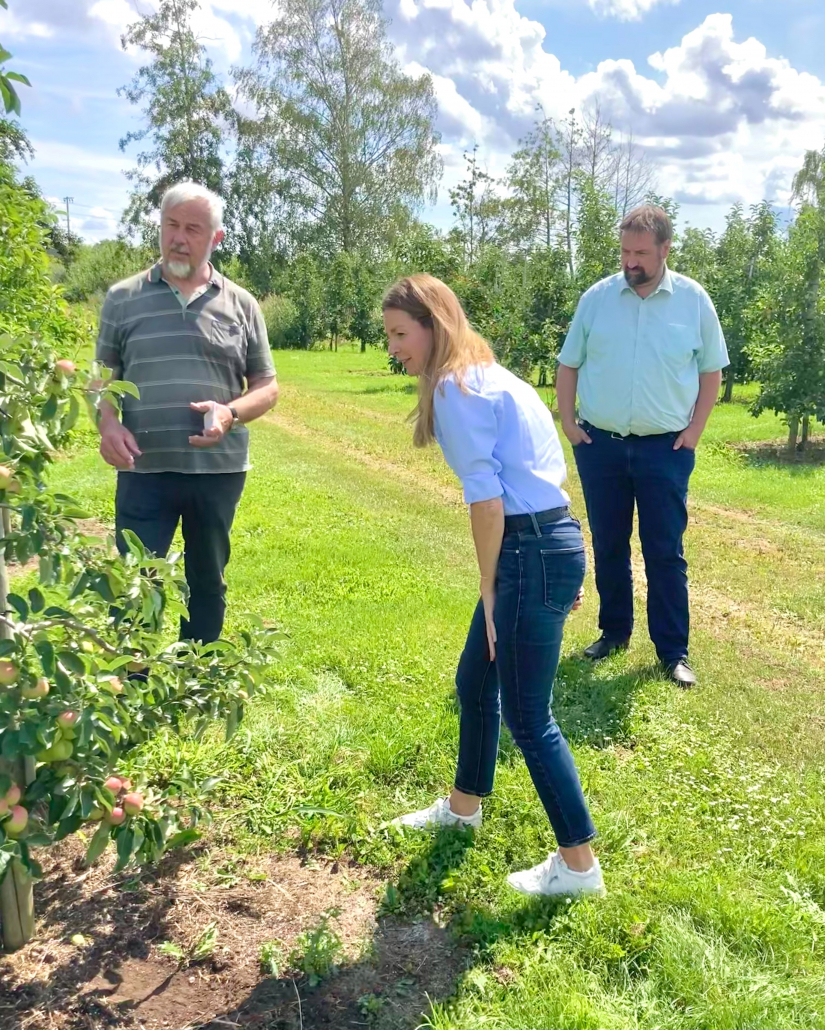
column 177, row 351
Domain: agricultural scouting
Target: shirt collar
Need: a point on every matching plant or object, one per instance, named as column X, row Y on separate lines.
column 665, row 285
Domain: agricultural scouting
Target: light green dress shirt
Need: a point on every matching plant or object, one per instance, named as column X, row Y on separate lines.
column 639, row 359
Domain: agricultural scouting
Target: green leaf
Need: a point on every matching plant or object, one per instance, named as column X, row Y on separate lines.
column 18, row 77
column 49, row 409
column 209, row 784
column 38, row 840
column 45, row 652
column 36, row 600
column 19, row 605
column 180, row 840
column 72, row 661
column 125, row 840
column 5, row 856
column 233, row 720
column 98, row 844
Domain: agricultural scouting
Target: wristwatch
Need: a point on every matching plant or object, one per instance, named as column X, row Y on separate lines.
column 236, row 421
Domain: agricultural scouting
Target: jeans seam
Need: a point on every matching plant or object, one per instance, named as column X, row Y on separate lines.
column 481, row 720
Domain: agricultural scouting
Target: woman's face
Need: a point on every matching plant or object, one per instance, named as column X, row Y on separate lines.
column 410, row 342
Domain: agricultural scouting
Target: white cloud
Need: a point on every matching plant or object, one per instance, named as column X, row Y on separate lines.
column 626, row 10
column 722, row 119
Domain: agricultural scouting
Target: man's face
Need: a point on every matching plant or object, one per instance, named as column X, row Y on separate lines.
column 643, row 259
column 187, row 238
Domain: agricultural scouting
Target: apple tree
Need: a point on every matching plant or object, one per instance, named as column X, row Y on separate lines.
column 89, row 667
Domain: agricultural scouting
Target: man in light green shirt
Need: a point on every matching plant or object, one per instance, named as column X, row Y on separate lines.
column 645, row 354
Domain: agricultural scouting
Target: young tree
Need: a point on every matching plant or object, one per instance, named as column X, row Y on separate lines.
column 788, row 344
column 185, row 108
column 70, row 712
column 696, row 255
column 596, row 234
column 479, row 212
column 633, row 175
column 354, row 133
column 305, row 288
column 533, row 184
column 745, row 254
column 339, row 297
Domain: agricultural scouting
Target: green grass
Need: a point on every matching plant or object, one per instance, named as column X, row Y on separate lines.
column 709, row 803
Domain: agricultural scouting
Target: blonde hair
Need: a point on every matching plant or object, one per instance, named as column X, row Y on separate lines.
column 456, row 348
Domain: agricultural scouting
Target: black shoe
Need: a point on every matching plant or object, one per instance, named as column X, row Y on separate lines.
column 681, row 673
column 604, row 647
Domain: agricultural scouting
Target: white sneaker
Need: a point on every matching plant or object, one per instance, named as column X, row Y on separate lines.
column 437, row 815
column 554, row 876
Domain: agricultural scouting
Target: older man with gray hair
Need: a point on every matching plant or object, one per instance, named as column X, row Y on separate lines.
column 195, row 345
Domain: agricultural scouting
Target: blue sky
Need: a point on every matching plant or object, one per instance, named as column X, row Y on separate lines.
column 723, row 98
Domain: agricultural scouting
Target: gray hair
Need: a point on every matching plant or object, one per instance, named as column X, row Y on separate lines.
column 183, row 192
column 649, row 218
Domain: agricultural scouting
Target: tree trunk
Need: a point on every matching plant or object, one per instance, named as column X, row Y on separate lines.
column 806, row 432
column 363, row 346
column 16, row 890
column 727, row 396
column 793, row 433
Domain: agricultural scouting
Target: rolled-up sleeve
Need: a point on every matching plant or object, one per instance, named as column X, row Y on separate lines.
column 108, row 349
column 467, row 431
column 575, row 345
column 713, row 356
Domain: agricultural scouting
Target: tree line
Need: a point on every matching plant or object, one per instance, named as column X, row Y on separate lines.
column 326, row 152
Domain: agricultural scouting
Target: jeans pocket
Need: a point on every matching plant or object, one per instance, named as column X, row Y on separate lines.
column 563, row 577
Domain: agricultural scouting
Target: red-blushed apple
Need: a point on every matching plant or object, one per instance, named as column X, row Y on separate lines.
column 65, row 366
column 67, row 721
column 36, row 690
column 6, row 476
column 114, row 784
column 13, row 795
column 127, row 784
column 15, row 825
column 133, row 803
column 8, row 673
column 113, row 685
column 116, row 816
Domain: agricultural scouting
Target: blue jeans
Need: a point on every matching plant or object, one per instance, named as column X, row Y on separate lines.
column 617, row 473
column 539, row 576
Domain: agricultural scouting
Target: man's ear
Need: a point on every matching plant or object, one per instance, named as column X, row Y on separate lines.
column 666, row 247
column 218, row 238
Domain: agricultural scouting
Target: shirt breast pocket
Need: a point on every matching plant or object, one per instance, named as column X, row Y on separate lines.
column 226, row 335
column 681, row 344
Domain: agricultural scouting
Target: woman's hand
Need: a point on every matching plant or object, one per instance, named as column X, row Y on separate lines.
column 488, row 599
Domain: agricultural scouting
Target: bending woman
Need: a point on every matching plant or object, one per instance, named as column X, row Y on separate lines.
column 500, row 440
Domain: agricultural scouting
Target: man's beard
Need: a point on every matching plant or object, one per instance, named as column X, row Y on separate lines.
column 638, row 277
column 180, row 269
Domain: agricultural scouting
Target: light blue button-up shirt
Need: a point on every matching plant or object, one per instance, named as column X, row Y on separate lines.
column 639, row 359
column 499, row 438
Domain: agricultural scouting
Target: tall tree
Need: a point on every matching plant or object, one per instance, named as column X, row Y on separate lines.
column 185, row 108
column 479, row 211
column 598, row 150
column 354, row 133
column 597, row 237
column 569, row 141
column 533, row 184
column 633, row 175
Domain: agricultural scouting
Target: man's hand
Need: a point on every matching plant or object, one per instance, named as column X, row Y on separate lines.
column 222, row 424
column 117, row 445
column 579, row 600
column 688, row 438
column 575, row 434
column 488, row 598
